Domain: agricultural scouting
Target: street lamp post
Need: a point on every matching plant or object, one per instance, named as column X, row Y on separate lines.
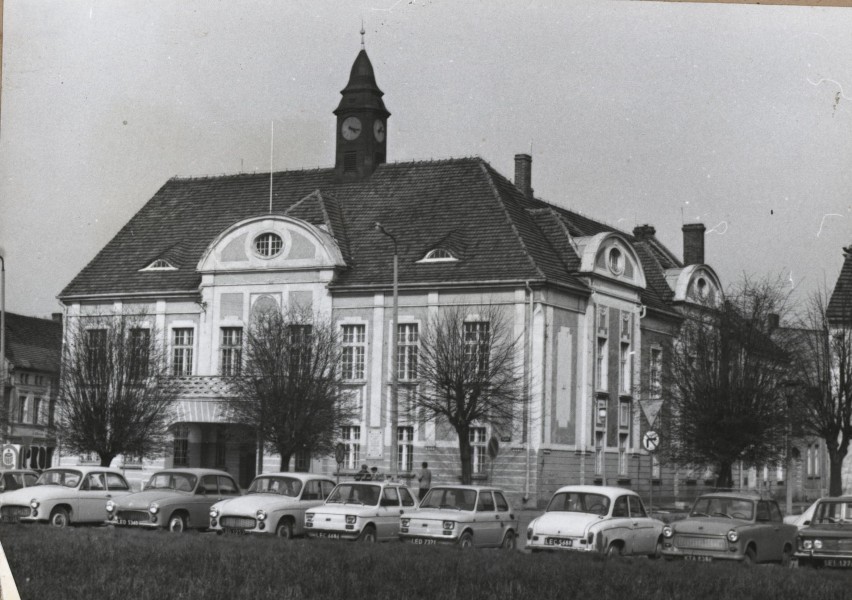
column 394, row 416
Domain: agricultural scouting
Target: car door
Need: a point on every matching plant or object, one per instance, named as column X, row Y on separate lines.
column 644, row 530
column 206, row 495
column 779, row 535
column 764, row 534
column 505, row 513
column 387, row 520
column 620, row 526
column 117, row 487
column 486, row 527
column 91, row 499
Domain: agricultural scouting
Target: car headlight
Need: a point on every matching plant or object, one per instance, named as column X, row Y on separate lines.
column 405, row 522
column 817, row 544
column 732, row 535
column 807, row 544
column 153, row 508
column 529, row 533
column 668, row 531
column 34, row 503
column 350, row 519
column 214, row 512
column 261, row 515
column 309, row 517
column 110, row 506
column 449, row 524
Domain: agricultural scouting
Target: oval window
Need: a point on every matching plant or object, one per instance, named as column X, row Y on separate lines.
column 268, row 245
column 616, row 261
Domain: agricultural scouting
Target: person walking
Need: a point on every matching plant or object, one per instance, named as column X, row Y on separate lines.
column 425, row 479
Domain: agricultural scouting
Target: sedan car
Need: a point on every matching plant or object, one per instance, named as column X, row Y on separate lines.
column 360, row 510
column 275, row 503
column 731, row 526
column 65, row 495
column 827, row 541
column 464, row 515
column 590, row 518
column 173, row 499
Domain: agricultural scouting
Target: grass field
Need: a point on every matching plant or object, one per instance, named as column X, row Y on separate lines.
column 97, row 563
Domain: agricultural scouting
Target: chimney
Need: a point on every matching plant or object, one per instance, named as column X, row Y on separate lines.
column 643, row 232
column 774, row 321
column 693, row 244
column 523, row 174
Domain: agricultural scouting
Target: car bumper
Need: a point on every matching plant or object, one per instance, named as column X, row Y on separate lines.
column 700, row 555
column 428, row 540
column 824, row 560
column 332, row 534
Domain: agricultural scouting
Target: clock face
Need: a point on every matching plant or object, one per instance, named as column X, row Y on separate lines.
column 379, row 130
column 351, row 128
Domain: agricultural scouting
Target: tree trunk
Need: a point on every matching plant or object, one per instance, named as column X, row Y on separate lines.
column 836, row 453
column 285, row 462
column 465, row 454
column 106, row 459
column 726, row 477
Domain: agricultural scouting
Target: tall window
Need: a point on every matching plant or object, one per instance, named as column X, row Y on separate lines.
column 477, row 444
column 656, row 372
column 140, row 344
column 299, row 341
column 405, row 437
column 354, row 349
column 477, row 340
column 302, row 461
column 622, row 454
column 181, row 446
column 624, row 414
column 624, row 370
column 601, row 370
column 231, row 349
column 96, row 350
column 37, row 409
column 408, row 342
column 182, row 343
column 350, row 436
column 22, row 409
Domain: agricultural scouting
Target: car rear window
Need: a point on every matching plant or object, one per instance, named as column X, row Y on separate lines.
column 596, row 504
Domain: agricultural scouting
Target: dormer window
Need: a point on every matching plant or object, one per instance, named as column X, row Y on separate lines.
column 438, row 255
column 268, row 245
column 160, row 264
column 615, row 261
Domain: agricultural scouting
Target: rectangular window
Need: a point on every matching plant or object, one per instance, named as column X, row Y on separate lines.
column 354, row 350
column 182, row 344
column 624, row 415
column 302, row 461
column 601, row 370
column 405, row 447
column 351, row 438
column 599, row 452
column 477, row 340
column 37, row 402
column 22, row 409
column 626, row 326
column 140, row 351
column 181, row 446
column 231, row 350
column 603, row 321
column 624, row 368
column 656, row 372
column 408, row 345
column 622, row 454
column 477, row 443
column 299, row 340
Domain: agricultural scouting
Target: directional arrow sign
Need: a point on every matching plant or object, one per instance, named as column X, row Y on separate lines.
column 651, row 441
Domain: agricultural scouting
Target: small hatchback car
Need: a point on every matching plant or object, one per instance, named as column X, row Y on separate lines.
column 174, row 499
column 589, row 518
column 464, row 515
column 827, row 541
column 275, row 503
column 360, row 510
column 731, row 526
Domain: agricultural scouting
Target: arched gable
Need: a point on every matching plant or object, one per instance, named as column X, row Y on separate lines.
column 611, row 255
column 694, row 283
column 271, row 242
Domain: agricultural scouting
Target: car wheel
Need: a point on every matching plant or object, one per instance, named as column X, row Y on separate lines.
column 368, row 535
column 59, row 518
column 509, row 542
column 466, row 540
column 285, row 529
column 658, row 550
column 750, row 557
column 614, row 550
column 177, row 524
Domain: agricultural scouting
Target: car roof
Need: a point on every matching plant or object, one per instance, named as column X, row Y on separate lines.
column 735, row 495
column 299, row 476
column 836, row 499
column 611, row 492
column 198, row 472
column 478, row 488
column 13, row 471
column 85, row 469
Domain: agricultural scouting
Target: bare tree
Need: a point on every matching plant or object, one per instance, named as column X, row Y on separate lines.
column 726, row 383
column 114, row 393
column 290, row 388
column 823, row 361
column 469, row 372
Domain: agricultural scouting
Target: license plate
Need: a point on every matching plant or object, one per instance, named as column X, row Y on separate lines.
column 127, row 522
column 234, row 531
column 9, row 519
column 565, row 543
column 422, row 541
column 698, row 558
column 837, row 562
column 331, row 536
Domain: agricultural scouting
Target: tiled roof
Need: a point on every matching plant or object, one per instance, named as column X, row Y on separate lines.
column 463, row 205
column 840, row 304
column 33, row 343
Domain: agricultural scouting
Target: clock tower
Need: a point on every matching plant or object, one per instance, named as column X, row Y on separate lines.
column 361, row 124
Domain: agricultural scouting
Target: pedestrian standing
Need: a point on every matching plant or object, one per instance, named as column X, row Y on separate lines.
column 424, row 477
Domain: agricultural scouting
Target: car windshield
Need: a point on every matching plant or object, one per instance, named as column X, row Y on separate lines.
column 581, row 502
column 355, row 493
column 833, row 513
column 182, row 482
column 285, row 486
column 65, row 477
column 732, row 508
column 458, row 499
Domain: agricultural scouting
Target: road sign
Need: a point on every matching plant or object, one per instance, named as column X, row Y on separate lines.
column 651, row 441
column 339, row 453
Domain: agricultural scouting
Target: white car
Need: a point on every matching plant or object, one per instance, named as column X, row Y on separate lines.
column 604, row 520
column 804, row 519
column 275, row 503
column 65, row 495
column 368, row 511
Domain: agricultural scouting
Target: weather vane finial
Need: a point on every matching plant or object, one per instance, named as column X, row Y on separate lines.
column 362, row 34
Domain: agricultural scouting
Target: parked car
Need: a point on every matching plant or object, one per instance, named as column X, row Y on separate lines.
column 15, row 479
column 275, row 503
column 65, row 495
column 174, row 499
column 804, row 519
column 367, row 511
column 462, row 514
column 731, row 526
column 590, row 518
column 827, row 541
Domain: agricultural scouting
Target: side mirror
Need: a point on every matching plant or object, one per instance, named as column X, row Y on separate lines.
column 806, row 523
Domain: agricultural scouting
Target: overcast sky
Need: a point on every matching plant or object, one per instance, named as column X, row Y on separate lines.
column 635, row 112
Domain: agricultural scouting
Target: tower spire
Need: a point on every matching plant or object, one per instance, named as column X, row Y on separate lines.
column 362, row 35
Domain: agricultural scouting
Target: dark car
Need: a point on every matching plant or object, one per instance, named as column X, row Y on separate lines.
column 827, row 541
